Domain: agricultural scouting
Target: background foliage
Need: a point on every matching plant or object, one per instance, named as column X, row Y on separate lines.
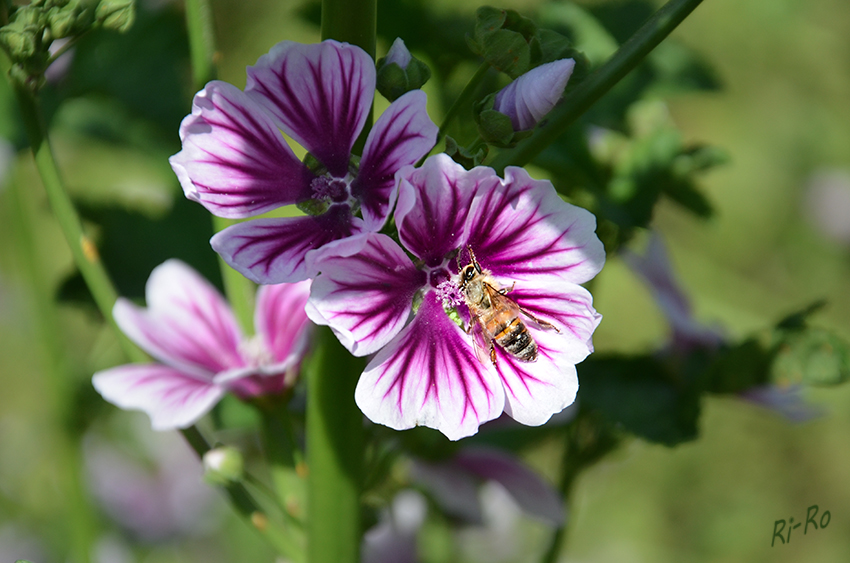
column 767, row 82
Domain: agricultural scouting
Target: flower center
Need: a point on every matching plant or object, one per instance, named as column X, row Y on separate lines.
column 255, row 353
column 330, row 188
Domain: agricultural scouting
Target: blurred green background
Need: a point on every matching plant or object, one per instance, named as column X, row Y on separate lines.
column 777, row 243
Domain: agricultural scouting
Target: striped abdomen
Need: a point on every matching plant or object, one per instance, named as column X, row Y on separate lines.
column 513, row 337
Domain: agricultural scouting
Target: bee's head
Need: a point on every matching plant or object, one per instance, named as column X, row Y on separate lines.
column 468, row 274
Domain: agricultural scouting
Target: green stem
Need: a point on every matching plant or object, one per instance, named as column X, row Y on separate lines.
column 599, row 82
column 464, row 99
column 199, row 24
column 274, row 532
column 73, row 501
column 334, row 453
column 82, row 247
column 334, row 423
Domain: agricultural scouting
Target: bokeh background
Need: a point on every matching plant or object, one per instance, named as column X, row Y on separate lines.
column 75, row 473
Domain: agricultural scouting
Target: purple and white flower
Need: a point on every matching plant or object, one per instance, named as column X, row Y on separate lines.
column 427, row 369
column 530, row 97
column 237, row 164
column 189, row 328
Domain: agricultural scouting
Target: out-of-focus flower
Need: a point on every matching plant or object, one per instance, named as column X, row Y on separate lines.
column 689, row 334
column 17, row 543
column 190, row 329
column 655, row 270
column 463, row 488
column 530, row 97
column 236, row 163
column 431, row 367
column 455, row 483
column 156, row 495
column 393, row 539
column 827, row 199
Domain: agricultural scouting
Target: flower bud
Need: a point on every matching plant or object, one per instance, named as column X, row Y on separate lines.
column 116, row 14
column 223, row 465
column 530, row 97
column 400, row 72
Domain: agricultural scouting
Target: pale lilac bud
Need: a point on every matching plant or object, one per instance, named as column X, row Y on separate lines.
column 398, row 54
column 530, row 97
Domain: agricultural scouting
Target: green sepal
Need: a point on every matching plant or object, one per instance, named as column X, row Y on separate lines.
column 462, row 156
column 394, row 81
column 504, row 38
column 313, row 207
column 495, row 128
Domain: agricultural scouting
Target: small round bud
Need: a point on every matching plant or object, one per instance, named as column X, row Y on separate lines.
column 223, row 465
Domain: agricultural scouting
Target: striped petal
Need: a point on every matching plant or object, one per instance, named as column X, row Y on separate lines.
column 320, row 94
column 271, row 251
column 534, row 391
column 172, row 399
column 187, row 323
column 234, row 160
column 402, row 135
column 429, row 375
column 525, row 231
column 364, row 292
column 281, row 322
column 433, row 204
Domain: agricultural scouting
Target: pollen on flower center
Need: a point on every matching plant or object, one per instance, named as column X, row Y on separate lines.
column 255, row 353
column 330, row 188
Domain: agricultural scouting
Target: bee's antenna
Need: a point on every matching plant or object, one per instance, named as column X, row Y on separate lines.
column 473, row 259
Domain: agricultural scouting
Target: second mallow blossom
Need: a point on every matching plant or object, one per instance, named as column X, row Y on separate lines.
column 189, row 328
column 432, row 368
column 236, row 162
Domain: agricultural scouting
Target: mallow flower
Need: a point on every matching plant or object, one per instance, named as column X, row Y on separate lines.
column 237, row 164
column 402, row 302
column 200, row 350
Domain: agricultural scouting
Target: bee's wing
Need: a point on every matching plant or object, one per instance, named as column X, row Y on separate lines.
column 500, row 301
column 480, row 339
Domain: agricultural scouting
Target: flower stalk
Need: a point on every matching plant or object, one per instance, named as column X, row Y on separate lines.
column 599, row 82
column 464, row 99
column 82, row 247
column 334, row 422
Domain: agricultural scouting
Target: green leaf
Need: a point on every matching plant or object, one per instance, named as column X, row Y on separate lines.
column 643, row 396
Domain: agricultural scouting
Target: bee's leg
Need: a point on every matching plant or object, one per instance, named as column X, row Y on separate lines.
column 541, row 322
column 506, row 290
column 493, row 355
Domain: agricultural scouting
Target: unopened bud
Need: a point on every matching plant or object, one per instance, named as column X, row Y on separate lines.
column 530, row 97
column 223, row 465
column 116, row 14
column 400, row 72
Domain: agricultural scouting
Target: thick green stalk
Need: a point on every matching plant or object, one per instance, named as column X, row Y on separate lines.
column 334, row 423
column 334, row 453
column 199, row 24
column 82, row 247
column 599, row 82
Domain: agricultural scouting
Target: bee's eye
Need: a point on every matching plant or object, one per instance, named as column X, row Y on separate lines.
column 468, row 273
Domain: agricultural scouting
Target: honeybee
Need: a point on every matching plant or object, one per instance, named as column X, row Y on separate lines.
column 497, row 315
